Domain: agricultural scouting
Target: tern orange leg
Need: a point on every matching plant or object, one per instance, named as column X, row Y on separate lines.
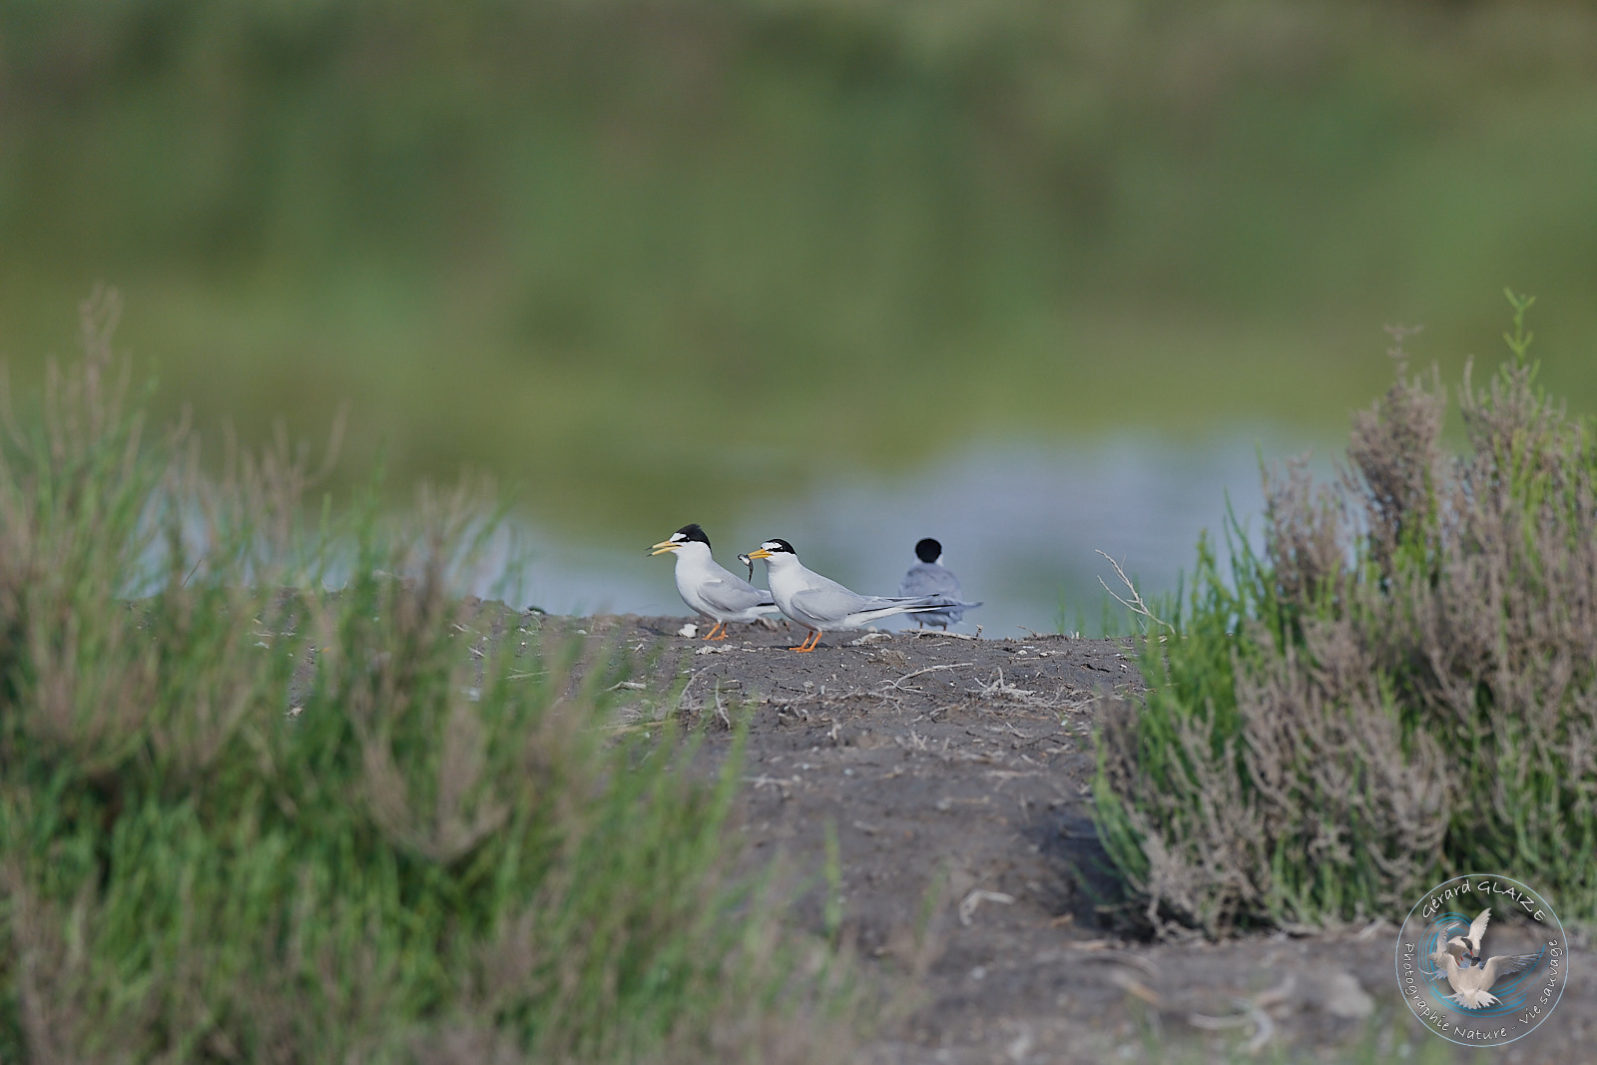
column 711, row 634
column 809, row 642
column 724, row 633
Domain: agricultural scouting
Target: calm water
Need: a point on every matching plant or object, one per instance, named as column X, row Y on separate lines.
column 1019, row 522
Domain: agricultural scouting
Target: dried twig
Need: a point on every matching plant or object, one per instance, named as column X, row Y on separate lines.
column 1252, row 1013
column 1135, row 604
column 1135, row 988
column 899, row 683
column 1001, row 687
column 967, row 905
column 1103, row 952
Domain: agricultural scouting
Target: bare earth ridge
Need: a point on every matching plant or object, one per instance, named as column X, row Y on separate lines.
column 956, row 775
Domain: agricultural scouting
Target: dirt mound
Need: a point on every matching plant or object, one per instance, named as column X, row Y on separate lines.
column 954, row 775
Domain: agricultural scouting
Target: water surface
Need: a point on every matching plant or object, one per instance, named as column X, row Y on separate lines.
column 1020, row 523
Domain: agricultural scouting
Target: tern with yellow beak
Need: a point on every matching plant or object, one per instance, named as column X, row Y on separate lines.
column 821, row 604
column 712, row 591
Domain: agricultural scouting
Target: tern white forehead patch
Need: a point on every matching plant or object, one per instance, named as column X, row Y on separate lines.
column 690, row 533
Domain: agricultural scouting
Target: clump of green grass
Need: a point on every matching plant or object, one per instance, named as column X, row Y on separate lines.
column 244, row 818
column 1399, row 688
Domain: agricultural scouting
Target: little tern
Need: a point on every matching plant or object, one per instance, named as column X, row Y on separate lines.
column 820, row 603
column 710, row 590
column 930, row 577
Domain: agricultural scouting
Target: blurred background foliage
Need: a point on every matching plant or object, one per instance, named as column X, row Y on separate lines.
column 654, row 262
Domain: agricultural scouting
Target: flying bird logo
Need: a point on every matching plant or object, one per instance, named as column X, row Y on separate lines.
column 1471, row 975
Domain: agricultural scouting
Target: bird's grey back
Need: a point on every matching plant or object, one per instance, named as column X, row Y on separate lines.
column 929, row 578
column 932, row 578
column 728, row 591
column 825, row 598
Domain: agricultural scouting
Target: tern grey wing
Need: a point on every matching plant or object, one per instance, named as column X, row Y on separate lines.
column 1505, row 964
column 876, row 607
column 732, row 594
column 922, row 602
column 829, row 603
column 1477, row 930
column 924, row 578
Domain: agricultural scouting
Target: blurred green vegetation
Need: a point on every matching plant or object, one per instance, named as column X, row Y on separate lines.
column 242, row 820
column 628, row 253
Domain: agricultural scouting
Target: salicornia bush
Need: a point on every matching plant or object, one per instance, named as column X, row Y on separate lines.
column 1399, row 686
column 245, row 818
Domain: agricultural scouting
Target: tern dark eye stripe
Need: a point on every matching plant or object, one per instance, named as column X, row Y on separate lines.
column 691, row 531
column 714, row 593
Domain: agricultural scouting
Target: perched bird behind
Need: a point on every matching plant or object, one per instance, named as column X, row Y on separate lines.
column 930, row 577
column 821, row 604
column 710, row 590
